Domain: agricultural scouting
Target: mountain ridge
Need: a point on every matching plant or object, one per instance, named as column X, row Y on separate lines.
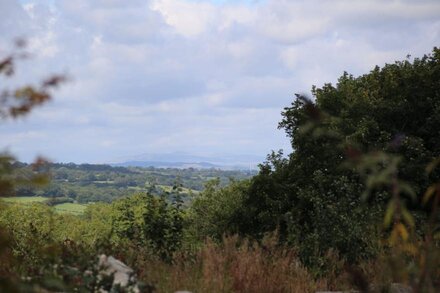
column 183, row 160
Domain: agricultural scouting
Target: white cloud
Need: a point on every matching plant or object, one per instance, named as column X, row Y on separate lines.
column 167, row 75
column 187, row 18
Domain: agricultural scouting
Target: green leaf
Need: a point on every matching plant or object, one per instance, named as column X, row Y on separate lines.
column 408, row 217
column 306, row 128
column 407, row 189
column 429, row 192
column 431, row 166
column 391, row 208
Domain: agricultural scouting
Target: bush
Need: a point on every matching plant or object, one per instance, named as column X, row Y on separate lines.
column 149, row 221
column 212, row 212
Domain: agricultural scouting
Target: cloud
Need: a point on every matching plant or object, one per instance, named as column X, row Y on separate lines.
column 14, row 21
column 196, row 76
column 187, row 18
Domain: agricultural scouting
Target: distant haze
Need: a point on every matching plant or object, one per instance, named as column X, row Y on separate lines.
column 185, row 160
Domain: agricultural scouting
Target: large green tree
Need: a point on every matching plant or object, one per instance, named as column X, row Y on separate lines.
column 310, row 196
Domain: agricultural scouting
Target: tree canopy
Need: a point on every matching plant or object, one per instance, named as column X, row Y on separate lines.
column 311, row 196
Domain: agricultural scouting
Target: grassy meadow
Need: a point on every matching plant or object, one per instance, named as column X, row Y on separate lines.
column 25, row 199
column 69, row 208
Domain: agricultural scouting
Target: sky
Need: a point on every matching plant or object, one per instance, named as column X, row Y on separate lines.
column 199, row 77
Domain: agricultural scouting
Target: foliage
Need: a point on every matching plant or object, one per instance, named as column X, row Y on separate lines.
column 46, row 246
column 31, row 259
column 212, row 211
column 313, row 197
column 86, row 183
column 20, row 101
column 150, row 222
column 353, row 200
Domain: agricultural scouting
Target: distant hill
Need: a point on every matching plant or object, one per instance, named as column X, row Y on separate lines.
column 183, row 160
column 178, row 165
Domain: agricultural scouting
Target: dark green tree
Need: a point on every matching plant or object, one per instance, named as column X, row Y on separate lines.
column 310, row 196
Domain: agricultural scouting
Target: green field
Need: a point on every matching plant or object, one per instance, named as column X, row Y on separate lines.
column 71, row 208
column 168, row 188
column 25, row 199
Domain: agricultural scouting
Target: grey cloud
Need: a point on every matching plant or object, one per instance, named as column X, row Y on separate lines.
column 150, row 89
column 167, row 75
column 14, row 22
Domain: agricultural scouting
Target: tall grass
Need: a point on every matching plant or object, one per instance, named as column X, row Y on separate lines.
column 234, row 265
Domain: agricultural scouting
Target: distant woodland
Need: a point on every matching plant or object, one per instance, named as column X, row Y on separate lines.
column 87, row 183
